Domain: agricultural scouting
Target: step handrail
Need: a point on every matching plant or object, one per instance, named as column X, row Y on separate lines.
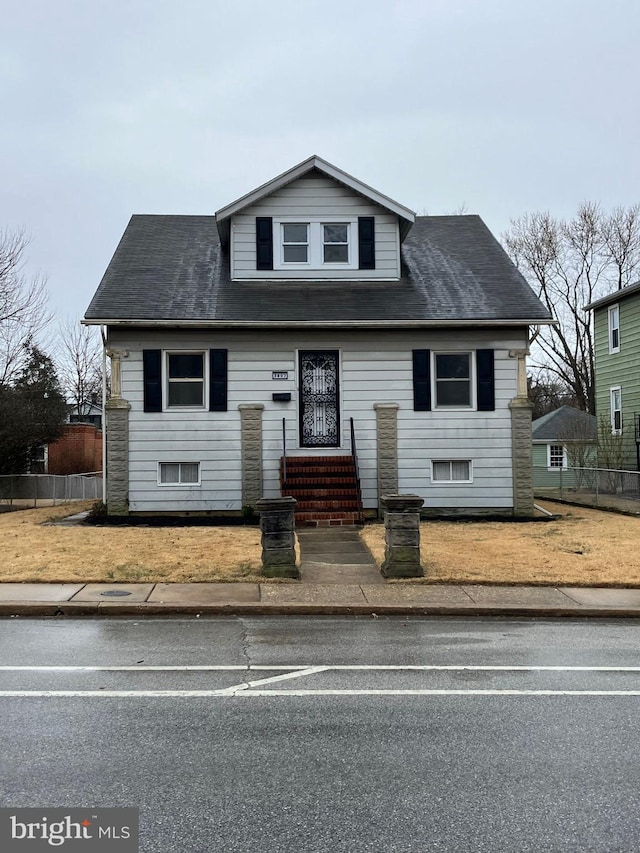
column 284, row 454
column 356, row 472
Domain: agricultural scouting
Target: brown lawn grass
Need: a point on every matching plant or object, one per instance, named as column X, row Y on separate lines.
column 33, row 551
column 583, row 547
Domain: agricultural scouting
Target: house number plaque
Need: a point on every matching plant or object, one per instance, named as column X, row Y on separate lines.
column 280, row 374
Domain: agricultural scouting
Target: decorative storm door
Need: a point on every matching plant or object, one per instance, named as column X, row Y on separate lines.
column 319, row 410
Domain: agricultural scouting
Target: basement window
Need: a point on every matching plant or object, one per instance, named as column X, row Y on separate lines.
column 451, row 471
column 178, row 473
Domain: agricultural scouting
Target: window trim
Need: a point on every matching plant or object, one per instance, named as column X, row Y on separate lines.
column 615, row 389
column 562, row 467
column 166, row 407
column 315, row 233
column 472, row 380
column 451, row 482
column 179, row 484
column 611, row 328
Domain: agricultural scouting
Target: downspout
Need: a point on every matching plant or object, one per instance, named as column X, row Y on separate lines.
column 104, row 414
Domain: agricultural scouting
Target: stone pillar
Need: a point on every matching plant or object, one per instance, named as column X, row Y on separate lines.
column 402, row 536
column 522, row 464
column 251, row 452
column 277, row 522
column 117, row 411
column 386, row 449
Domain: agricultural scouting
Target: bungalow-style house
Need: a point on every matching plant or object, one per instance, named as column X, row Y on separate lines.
column 258, row 351
column 617, row 374
column 562, row 441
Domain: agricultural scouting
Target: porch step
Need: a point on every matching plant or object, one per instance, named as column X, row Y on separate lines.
column 325, row 489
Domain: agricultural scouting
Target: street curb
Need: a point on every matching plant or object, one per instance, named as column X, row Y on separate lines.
column 112, row 610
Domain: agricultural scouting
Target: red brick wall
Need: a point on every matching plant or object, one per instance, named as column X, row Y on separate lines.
column 78, row 451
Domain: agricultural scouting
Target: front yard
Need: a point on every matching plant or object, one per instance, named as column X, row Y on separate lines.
column 583, row 547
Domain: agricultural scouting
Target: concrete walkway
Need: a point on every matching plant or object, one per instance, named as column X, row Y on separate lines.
column 335, row 555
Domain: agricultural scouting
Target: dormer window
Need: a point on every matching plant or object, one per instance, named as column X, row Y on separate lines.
column 335, row 246
column 295, row 242
column 322, row 244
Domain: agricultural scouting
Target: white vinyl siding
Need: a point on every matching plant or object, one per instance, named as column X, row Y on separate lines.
column 323, row 200
column 374, row 368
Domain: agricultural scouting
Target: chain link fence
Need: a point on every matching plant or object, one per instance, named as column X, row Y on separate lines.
column 599, row 487
column 33, row 490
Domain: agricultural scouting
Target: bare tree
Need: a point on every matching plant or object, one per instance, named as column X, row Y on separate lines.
column 80, row 364
column 570, row 264
column 23, row 305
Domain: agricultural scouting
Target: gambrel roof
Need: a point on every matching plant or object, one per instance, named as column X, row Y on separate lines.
column 174, row 270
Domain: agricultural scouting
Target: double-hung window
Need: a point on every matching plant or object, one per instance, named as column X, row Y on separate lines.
column 320, row 243
column 557, row 456
column 335, row 243
column 295, row 242
column 185, row 375
column 614, row 329
column 616, row 410
column 453, row 380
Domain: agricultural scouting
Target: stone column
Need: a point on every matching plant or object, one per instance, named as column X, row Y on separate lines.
column 521, row 461
column 277, row 522
column 117, row 411
column 402, row 536
column 386, row 449
column 251, row 452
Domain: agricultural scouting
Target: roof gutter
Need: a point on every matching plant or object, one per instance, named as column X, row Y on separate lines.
column 316, row 324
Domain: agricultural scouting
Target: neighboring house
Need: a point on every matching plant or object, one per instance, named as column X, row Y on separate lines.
column 311, row 301
column 77, row 451
column 617, row 374
column 562, row 441
column 89, row 413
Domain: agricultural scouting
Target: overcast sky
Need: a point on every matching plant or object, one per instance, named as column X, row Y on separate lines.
column 114, row 107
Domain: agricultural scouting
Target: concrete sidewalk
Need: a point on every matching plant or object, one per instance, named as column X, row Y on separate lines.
column 366, row 599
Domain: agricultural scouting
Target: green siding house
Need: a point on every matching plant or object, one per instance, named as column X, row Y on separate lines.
column 562, row 441
column 617, row 371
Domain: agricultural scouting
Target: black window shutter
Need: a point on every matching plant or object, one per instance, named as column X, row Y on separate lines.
column 152, row 379
column 264, row 243
column 485, row 380
column 217, row 380
column 366, row 242
column 422, row 380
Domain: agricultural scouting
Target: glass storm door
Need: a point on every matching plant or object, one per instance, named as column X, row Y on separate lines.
column 319, row 410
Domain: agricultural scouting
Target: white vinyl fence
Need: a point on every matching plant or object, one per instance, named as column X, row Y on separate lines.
column 49, row 489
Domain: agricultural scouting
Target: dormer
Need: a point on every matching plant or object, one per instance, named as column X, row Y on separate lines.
column 314, row 222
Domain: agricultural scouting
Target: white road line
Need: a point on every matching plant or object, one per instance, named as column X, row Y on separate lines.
column 170, row 668
column 306, row 668
column 237, row 692
column 284, row 677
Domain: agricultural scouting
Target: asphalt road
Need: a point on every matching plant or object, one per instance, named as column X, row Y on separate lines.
column 293, row 734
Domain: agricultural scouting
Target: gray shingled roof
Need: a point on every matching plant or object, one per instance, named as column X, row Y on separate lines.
column 172, row 268
column 565, row 424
